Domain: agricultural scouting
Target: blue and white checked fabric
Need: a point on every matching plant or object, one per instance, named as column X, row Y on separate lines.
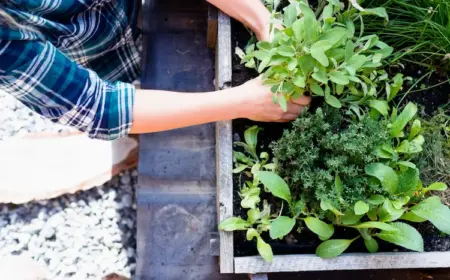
column 78, row 69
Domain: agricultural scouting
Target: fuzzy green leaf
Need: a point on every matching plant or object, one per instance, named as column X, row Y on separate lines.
column 380, row 11
column 298, row 28
column 402, row 120
column 350, row 218
column 437, row 186
column 310, row 22
column 299, row 81
column 275, row 184
column 288, row 51
column 380, row 105
column 234, row 223
column 415, row 129
column 281, row 226
column 406, row 236
column 407, row 182
column 434, row 211
column 253, row 215
column 376, row 199
column 371, row 245
column 320, row 228
column 334, row 35
column 378, row 225
column 361, row 208
column 264, row 63
column 339, row 78
column 333, row 248
column 318, row 50
column 332, row 101
column 316, row 89
column 411, row 217
column 356, row 61
column 264, row 250
column 388, row 213
column 320, row 76
column 251, row 137
column 385, row 174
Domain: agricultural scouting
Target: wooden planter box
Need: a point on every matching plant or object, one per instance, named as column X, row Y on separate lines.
column 286, row 263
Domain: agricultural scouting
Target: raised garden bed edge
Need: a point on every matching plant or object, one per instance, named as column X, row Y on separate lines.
column 285, row 263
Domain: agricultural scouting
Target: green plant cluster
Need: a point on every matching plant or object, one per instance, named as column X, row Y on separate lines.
column 351, row 163
column 323, row 57
column 419, row 30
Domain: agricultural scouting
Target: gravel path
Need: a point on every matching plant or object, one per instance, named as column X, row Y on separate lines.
column 82, row 236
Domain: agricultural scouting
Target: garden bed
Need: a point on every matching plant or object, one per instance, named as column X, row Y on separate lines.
column 295, row 252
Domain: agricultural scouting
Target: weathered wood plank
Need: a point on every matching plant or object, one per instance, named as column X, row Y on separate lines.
column 224, row 145
column 360, row 261
column 211, row 38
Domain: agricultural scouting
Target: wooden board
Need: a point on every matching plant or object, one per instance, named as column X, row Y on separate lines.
column 224, row 149
column 362, row 261
column 211, row 38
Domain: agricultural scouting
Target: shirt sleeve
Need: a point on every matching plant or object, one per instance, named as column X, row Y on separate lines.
column 52, row 85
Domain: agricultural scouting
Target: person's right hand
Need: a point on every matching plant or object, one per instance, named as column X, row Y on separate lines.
column 259, row 106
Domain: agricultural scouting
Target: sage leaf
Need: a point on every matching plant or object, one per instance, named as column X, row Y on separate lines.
column 281, row 226
column 376, row 199
column 434, row 211
column 320, row 228
column 275, row 184
column 298, row 28
column 356, row 61
column 299, row 81
column 406, row 236
column 385, row 174
column 415, row 129
column 290, row 15
column 411, row 217
column 264, row 250
column 380, row 105
column 320, row 76
column 361, row 208
column 318, row 50
column 286, row 51
column 283, row 102
column 333, row 35
column 437, row 186
column 316, row 89
column 350, row 218
column 262, row 54
column 339, row 78
column 234, row 223
column 332, row 101
column 408, row 181
column 371, row 245
column 333, row 248
column 378, row 225
column 380, row 11
column 253, row 215
column 388, row 213
column 326, row 205
column 251, row 138
column 405, row 116
column 264, row 63
column 310, row 22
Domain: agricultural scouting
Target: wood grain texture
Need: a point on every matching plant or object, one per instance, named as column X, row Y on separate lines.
column 211, row 38
column 360, row 261
column 224, row 144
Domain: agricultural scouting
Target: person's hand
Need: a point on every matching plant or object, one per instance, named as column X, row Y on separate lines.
column 258, row 103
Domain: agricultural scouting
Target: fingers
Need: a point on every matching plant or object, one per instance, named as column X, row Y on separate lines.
column 293, row 108
column 302, row 100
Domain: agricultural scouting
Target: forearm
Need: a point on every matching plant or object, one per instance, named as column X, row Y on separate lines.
column 156, row 110
column 252, row 13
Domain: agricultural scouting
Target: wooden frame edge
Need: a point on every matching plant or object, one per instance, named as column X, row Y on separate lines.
column 224, row 148
column 351, row 261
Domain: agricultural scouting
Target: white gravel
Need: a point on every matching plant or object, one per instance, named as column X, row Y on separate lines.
column 82, row 236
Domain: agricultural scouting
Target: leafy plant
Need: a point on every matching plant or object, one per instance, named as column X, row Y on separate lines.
column 321, row 57
column 249, row 162
column 335, row 172
column 419, row 30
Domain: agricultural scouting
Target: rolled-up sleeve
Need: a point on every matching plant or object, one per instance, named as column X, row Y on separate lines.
column 52, row 85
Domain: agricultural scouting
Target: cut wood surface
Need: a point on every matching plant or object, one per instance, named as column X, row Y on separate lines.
column 360, row 261
column 44, row 166
column 224, row 148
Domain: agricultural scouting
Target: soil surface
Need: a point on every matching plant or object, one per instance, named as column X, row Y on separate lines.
column 305, row 242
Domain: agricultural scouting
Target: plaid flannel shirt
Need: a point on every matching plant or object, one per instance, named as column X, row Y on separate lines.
column 78, row 71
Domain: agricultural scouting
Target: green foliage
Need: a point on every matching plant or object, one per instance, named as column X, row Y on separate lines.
column 419, row 30
column 322, row 56
column 358, row 163
column 321, row 146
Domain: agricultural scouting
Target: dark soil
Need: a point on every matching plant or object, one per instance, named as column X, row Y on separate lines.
column 305, row 242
